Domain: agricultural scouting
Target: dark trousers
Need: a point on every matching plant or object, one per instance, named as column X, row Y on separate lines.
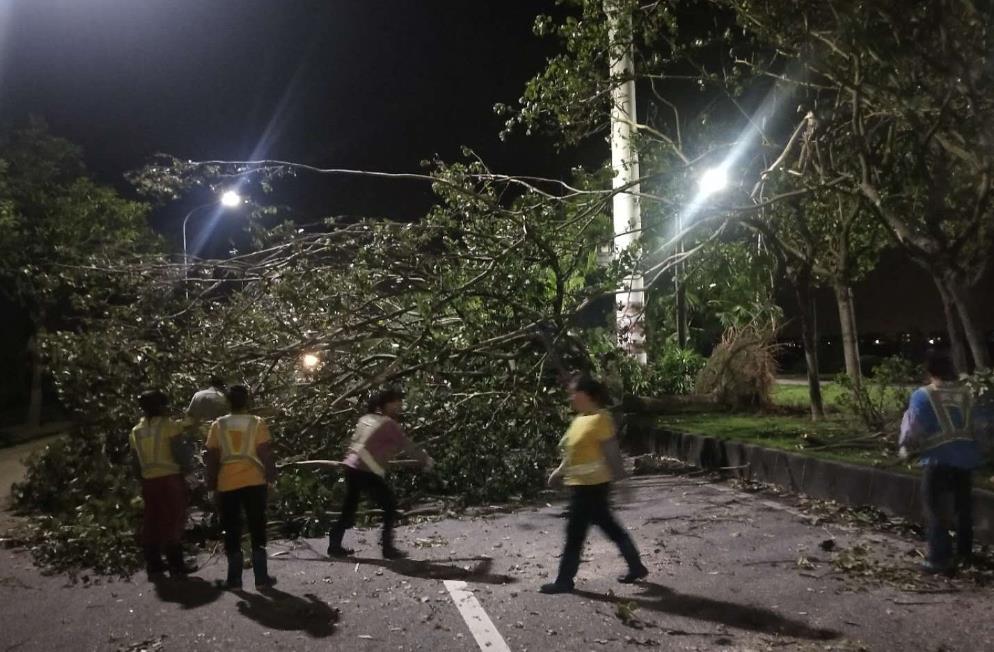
column 589, row 504
column 938, row 483
column 253, row 501
column 364, row 482
column 164, row 517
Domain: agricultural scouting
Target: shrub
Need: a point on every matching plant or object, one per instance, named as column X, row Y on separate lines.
column 879, row 401
column 741, row 371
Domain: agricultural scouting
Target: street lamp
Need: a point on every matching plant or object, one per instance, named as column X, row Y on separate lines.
column 310, row 361
column 712, row 181
column 229, row 199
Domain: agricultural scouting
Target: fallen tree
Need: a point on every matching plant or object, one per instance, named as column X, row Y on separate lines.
column 473, row 310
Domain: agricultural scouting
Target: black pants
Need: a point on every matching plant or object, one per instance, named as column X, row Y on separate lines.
column 589, row 504
column 938, row 482
column 357, row 483
column 253, row 500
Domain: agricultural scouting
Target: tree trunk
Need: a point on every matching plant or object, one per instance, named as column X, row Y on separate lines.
column 956, row 347
column 35, row 399
column 809, row 337
column 847, row 324
column 974, row 335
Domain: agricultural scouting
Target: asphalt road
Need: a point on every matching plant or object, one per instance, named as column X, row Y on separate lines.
column 730, row 570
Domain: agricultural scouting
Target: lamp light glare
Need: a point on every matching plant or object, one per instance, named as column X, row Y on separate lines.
column 713, row 180
column 230, row 198
column 310, row 360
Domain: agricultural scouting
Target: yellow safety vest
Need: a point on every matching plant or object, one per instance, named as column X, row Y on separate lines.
column 942, row 399
column 248, row 425
column 366, row 428
column 152, row 446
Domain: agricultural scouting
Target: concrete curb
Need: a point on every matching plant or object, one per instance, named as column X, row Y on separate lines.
column 895, row 493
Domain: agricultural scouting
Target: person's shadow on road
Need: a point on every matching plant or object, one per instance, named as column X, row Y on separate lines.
column 431, row 570
column 275, row 609
column 188, row 592
column 661, row 599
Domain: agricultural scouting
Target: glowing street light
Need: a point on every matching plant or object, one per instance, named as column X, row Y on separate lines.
column 713, row 180
column 310, row 361
column 230, row 199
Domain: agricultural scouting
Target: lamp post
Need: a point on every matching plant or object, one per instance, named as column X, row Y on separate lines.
column 229, row 199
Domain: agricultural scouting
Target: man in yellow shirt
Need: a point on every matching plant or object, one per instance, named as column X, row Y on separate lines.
column 591, row 460
column 161, row 455
column 240, row 468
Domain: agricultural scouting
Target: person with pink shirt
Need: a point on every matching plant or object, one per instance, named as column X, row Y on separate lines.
column 378, row 438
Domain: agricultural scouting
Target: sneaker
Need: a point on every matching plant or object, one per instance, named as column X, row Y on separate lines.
column 339, row 551
column 553, row 588
column 933, row 568
column 634, row 575
column 390, row 552
column 266, row 582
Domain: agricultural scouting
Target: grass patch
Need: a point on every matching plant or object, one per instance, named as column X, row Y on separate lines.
column 835, row 438
column 826, row 439
column 796, row 396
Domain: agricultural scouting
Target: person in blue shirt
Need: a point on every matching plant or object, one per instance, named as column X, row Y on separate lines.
column 942, row 426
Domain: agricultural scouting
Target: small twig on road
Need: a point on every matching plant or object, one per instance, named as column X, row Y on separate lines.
column 918, row 602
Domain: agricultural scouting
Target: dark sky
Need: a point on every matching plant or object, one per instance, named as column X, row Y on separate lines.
column 371, row 84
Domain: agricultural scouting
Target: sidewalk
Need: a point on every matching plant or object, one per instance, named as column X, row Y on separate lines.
column 897, row 494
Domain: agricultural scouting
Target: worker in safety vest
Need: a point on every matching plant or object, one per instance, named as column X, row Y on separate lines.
column 591, row 461
column 940, row 427
column 161, row 456
column 378, row 439
column 240, row 469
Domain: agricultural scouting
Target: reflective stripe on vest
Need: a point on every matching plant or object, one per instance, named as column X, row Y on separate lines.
column 942, row 399
column 153, row 449
column 246, row 451
column 366, row 428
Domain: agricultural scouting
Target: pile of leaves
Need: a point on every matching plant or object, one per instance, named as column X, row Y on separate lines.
column 84, row 507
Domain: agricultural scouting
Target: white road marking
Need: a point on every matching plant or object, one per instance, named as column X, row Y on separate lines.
column 479, row 623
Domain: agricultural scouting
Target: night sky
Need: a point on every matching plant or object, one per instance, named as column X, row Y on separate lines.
column 378, row 85
column 372, row 84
